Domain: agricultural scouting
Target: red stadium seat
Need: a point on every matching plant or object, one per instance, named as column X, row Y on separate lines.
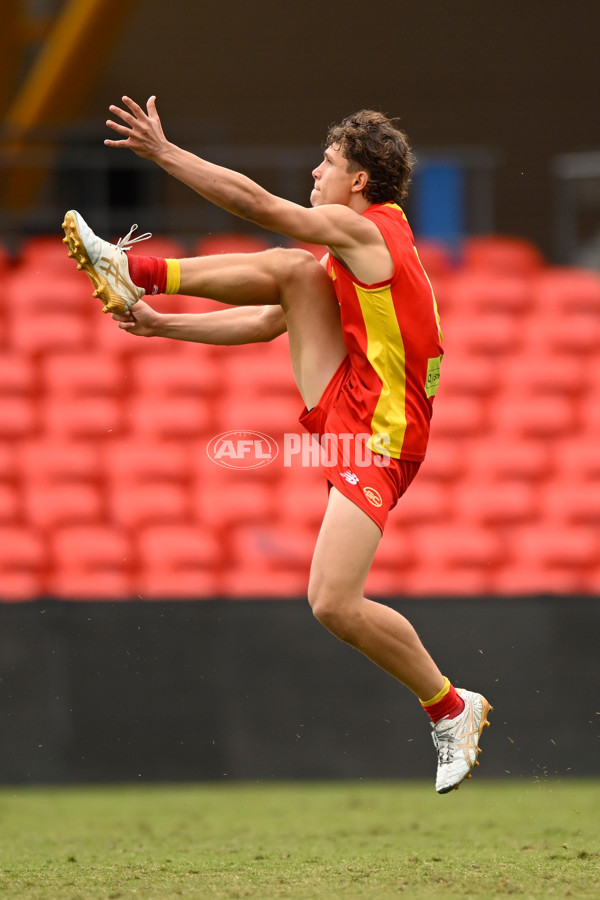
column 45, row 253
column 443, row 580
column 22, row 563
column 424, row 501
column 464, row 416
column 147, row 503
column 475, row 376
column 577, row 457
column 269, row 560
column 263, row 369
column 572, row 500
column 57, row 461
column 464, row 546
column 178, row 560
column 90, row 562
column 537, row 417
column 18, row 377
column 554, row 546
column 34, row 292
column 530, row 577
column 551, row 374
column 153, row 417
column 492, row 457
column 167, row 375
column 233, row 497
column 501, row 254
column 18, row 417
column 575, row 333
column 84, row 373
column 477, row 293
column 492, row 334
column 500, row 502
column 47, row 506
column 10, row 503
column 49, row 331
column 302, row 500
column 9, row 454
column 444, row 460
column 566, row 289
column 279, row 583
column 142, row 461
column 269, row 547
column 82, row 417
column 275, row 415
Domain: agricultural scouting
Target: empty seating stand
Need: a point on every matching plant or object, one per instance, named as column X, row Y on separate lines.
column 107, row 489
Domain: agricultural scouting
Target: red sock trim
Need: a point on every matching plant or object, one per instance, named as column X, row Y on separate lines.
column 148, row 272
column 451, row 705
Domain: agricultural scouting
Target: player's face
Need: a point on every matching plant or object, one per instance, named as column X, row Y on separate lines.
column 333, row 181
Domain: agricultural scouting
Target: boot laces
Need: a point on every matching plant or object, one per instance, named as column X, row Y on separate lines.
column 125, row 243
column 444, row 742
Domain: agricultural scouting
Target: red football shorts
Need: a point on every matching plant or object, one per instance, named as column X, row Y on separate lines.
column 373, row 482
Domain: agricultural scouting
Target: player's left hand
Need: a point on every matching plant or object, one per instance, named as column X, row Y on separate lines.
column 142, row 130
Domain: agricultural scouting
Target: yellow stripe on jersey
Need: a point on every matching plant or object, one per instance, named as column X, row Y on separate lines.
column 385, row 352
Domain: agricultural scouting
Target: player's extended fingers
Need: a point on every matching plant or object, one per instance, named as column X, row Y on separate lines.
column 151, row 107
column 116, row 126
column 135, row 108
column 122, row 114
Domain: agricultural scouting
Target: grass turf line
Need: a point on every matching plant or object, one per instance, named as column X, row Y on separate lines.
column 332, row 840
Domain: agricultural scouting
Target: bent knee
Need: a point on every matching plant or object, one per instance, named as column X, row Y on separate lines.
column 334, row 610
column 293, row 265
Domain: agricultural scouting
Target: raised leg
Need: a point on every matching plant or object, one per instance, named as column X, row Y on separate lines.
column 296, row 281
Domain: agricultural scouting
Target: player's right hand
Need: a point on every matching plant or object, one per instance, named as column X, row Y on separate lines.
column 140, row 319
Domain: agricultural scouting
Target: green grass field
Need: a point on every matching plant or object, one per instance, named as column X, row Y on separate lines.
column 358, row 839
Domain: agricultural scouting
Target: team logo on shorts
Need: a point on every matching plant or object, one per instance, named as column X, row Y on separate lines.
column 373, row 496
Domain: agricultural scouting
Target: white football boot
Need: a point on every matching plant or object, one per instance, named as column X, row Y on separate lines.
column 457, row 742
column 105, row 264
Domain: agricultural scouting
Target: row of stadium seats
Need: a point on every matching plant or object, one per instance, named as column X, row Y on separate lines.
column 107, row 490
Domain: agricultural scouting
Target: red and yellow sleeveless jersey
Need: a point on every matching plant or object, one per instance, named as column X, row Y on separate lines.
column 392, row 334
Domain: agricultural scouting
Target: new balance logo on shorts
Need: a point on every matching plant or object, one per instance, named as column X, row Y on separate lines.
column 350, row 477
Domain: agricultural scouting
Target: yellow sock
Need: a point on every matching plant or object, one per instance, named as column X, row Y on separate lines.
column 173, row 276
column 439, row 696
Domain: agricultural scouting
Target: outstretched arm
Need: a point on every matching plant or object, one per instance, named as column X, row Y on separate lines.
column 241, row 325
column 334, row 225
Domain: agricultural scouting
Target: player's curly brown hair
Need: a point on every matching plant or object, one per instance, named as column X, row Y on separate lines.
column 371, row 141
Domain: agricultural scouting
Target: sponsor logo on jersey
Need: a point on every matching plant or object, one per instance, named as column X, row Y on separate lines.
column 373, row 496
column 433, row 375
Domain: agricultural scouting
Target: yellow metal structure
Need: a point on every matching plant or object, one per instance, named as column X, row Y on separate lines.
column 69, row 61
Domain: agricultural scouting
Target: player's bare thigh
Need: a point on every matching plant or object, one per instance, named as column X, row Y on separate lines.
column 343, row 555
column 314, row 327
column 295, row 280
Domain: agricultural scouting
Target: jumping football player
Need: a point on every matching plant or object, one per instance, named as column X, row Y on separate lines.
column 366, row 351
